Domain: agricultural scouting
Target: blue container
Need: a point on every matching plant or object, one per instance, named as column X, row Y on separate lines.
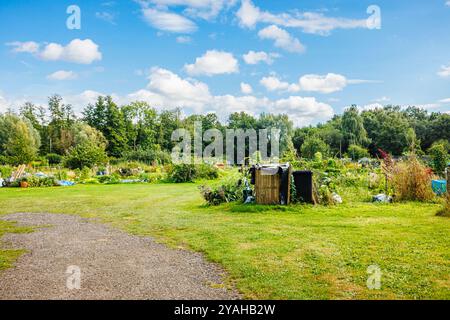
column 439, row 186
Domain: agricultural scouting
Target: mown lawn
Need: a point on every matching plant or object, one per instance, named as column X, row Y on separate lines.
column 298, row 252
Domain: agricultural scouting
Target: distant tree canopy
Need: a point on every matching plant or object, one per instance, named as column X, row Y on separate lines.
column 139, row 131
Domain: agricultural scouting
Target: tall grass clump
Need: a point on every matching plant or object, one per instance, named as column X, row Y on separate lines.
column 445, row 212
column 412, row 181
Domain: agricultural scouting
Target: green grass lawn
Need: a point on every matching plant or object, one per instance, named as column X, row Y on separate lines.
column 296, row 252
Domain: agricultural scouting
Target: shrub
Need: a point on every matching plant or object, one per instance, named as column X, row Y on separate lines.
column 206, row 171
column 445, row 211
column 54, row 158
column 148, row 156
column 356, row 152
column 85, row 155
column 40, row 182
column 312, row 145
column 61, row 175
column 227, row 192
column 412, row 181
column 5, row 171
column 180, row 173
column 439, row 157
column 111, row 179
column 151, row 177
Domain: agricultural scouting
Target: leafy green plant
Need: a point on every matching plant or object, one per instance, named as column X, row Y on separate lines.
column 438, row 154
column 54, row 159
column 180, row 173
column 356, row 152
column 85, row 155
column 40, row 182
column 109, row 179
column 228, row 192
column 206, row 171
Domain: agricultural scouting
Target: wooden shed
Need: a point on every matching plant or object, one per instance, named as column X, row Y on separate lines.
column 272, row 183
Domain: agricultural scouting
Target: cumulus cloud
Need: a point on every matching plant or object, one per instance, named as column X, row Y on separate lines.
column 62, row 75
column 282, row 39
column 444, row 72
column 325, row 84
column 213, row 62
column 28, row 47
column 272, row 83
column 246, row 88
column 253, row 57
column 168, row 21
column 303, row 110
column 167, row 89
column 328, row 83
column 77, row 51
column 309, row 22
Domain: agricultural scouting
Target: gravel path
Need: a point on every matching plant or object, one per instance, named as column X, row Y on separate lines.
column 113, row 264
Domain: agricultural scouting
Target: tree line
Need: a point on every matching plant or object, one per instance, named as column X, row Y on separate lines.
column 137, row 131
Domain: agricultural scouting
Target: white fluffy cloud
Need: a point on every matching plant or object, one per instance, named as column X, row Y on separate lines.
column 325, row 84
column 168, row 21
column 253, row 57
column 444, row 72
column 246, row 88
column 28, row 47
column 303, row 110
column 213, row 62
column 77, row 51
column 272, row 83
column 309, row 22
column 282, row 39
column 62, row 75
column 447, row 3
column 328, row 83
column 167, row 89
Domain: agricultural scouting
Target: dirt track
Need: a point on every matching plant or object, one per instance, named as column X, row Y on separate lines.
column 113, row 264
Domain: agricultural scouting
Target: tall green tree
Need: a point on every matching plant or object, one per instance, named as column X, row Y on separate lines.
column 19, row 141
column 353, row 130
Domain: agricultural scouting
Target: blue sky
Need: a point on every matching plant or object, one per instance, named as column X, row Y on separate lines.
column 309, row 59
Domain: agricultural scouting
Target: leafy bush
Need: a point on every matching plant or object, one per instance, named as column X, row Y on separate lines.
column 227, row 192
column 439, row 157
column 54, row 158
column 148, row 156
column 312, row 145
column 111, row 179
column 5, row 171
column 356, row 152
column 445, row 211
column 180, row 173
column 412, row 181
column 61, row 175
column 40, row 182
column 206, row 171
column 85, row 155
column 189, row 172
column 151, row 177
